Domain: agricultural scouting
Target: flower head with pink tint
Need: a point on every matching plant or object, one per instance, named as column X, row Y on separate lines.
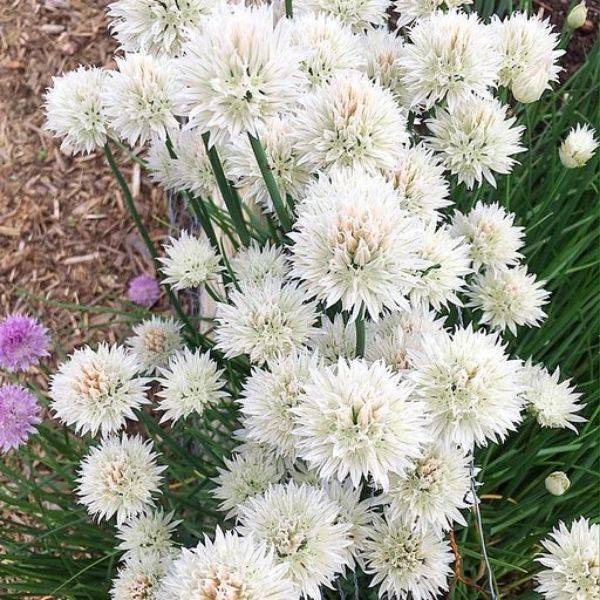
column 144, row 290
column 23, row 341
column 19, row 414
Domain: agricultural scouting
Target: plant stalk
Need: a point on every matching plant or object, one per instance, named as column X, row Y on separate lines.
column 196, row 335
column 267, row 173
column 231, row 201
column 359, row 325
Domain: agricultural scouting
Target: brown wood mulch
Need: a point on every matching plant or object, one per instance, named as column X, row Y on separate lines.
column 64, row 230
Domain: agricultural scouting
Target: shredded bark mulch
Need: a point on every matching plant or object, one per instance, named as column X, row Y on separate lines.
column 64, row 230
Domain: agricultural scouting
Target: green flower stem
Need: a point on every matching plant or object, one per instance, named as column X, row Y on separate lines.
column 289, row 11
column 196, row 335
column 132, row 155
column 233, row 205
column 131, row 205
column 359, row 324
column 265, row 170
column 197, row 206
column 213, row 293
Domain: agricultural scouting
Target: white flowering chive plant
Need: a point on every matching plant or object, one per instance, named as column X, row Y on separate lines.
column 392, row 261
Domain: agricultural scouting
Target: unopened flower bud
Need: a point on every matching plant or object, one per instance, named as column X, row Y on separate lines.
column 557, row 483
column 530, row 84
column 577, row 16
column 578, row 147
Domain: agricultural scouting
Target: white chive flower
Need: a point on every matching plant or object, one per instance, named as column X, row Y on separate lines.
column 265, row 320
column 434, row 491
column 139, row 98
column 528, row 47
column 450, row 57
column 158, row 27
column 552, row 402
column 359, row 420
column 398, row 335
column 188, row 385
column 189, row 262
column 407, row 561
column 231, row 566
column 247, row 474
column 193, row 171
column 352, row 510
column 149, row 534
column 353, row 243
column 415, row 321
column 139, row 578
column 277, row 138
column 154, row 342
column 189, row 170
column 255, row 264
column 238, row 71
column 419, row 180
column 350, row 122
column 269, row 397
column 412, row 10
column 470, row 387
column 329, row 46
column 571, row 563
column 382, row 50
column 334, row 339
column 359, row 15
column 98, row 390
column 448, row 263
column 162, row 168
column 390, row 346
column 302, row 526
column 74, row 110
column 491, row 233
column 119, row 477
column 475, row 139
column 508, row 298
column 578, row 147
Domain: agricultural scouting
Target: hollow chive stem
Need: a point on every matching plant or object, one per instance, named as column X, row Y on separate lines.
column 267, row 174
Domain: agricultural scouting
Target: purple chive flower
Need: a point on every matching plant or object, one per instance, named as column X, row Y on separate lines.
column 19, row 414
column 23, row 341
column 144, row 290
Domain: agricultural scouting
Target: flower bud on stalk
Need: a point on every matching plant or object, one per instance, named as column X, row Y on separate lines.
column 557, row 483
column 530, row 84
column 578, row 147
column 577, row 16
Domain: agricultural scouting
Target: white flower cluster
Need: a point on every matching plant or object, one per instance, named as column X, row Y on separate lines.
column 357, row 334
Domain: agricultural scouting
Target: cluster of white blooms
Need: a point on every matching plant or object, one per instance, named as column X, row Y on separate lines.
column 503, row 290
column 354, row 360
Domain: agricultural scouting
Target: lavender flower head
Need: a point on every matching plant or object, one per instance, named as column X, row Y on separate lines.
column 23, row 341
column 144, row 290
column 19, row 414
